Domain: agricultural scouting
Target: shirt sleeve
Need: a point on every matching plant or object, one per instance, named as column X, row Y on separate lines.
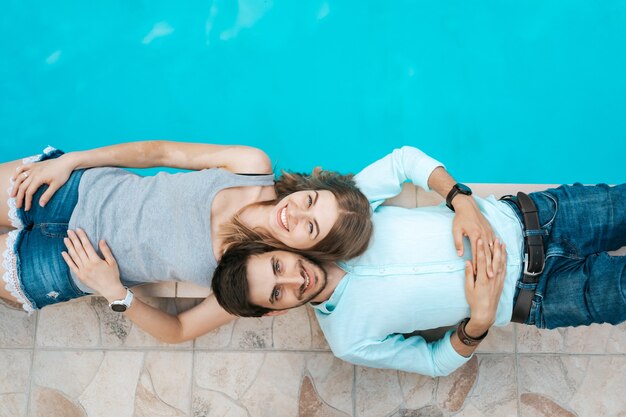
column 383, row 179
column 411, row 354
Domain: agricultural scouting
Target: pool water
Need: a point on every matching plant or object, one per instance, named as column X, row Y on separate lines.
column 501, row 91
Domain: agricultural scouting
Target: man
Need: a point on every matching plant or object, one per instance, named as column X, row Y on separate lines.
column 411, row 278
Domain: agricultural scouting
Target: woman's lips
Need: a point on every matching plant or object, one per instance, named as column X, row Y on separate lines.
column 282, row 218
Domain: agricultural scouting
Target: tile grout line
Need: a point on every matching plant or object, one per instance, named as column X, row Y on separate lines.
column 353, row 390
column 193, row 379
column 517, row 387
column 31, row 370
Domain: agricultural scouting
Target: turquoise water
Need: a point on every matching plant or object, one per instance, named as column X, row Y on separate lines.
column 501, row 91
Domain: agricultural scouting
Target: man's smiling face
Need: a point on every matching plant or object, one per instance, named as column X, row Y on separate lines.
column 280, row 280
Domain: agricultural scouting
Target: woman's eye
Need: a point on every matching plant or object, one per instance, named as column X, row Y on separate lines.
column 276, row 267
column 310, row 228
column 276, row 294
column 310, row 201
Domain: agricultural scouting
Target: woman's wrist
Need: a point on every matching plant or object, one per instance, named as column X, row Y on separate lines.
column 118, row 292
column 73, row 160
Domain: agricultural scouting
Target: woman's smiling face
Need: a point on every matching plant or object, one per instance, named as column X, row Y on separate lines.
column 304, row 218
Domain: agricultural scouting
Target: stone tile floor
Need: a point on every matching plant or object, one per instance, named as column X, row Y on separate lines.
column 80, row 359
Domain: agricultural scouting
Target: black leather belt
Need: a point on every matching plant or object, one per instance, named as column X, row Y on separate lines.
column 534, row 255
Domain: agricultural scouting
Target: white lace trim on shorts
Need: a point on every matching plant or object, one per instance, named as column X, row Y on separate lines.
column 9, row 260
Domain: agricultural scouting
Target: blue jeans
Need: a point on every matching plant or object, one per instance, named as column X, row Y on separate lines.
column 43, row 274
column 581, row 283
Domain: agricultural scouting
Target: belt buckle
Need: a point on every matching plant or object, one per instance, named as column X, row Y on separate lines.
column 526, row 271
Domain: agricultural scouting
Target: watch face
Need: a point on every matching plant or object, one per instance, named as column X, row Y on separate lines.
column 119, row 308
column 464, row 189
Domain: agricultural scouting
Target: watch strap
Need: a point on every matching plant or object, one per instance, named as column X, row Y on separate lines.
column 468, row 340
column 122, row 305
column 457, row 188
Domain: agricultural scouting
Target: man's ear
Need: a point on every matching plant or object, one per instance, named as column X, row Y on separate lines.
column 316, row 171
column 275, row 313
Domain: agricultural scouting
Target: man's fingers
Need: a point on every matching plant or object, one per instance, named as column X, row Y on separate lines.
column 474, row 249
column 481, row 272
column 488, row 259
column 458, row 242
column 469, row 277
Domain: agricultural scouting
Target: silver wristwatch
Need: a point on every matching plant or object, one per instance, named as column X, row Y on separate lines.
column 120, row 306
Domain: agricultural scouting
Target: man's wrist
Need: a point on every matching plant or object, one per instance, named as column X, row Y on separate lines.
column 461, row 200
column 477, row 328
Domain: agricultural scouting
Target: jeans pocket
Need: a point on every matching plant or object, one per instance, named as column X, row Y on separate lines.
column 553, row 207
column 55, row 230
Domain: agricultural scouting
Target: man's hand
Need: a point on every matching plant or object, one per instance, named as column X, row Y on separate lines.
column 469, row 221
column 28, row 178
column 100, row 274
column 483, row 292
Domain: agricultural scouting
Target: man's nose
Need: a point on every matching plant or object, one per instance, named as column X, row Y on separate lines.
column 291, row 280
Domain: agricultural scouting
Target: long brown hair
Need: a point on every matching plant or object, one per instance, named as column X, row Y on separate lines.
column 348, row 237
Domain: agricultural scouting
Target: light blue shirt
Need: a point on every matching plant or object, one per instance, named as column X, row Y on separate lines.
column 410, row 278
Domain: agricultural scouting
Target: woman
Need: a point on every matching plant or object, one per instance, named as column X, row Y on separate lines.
column 166, row 227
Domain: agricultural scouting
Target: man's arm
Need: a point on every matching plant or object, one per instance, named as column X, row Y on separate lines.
column 468, row 220
column 483, row 294
column 443, row 356
column 103, row 276
column 383, row 179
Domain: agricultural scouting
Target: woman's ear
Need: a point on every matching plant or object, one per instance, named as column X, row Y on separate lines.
column 275, row 313
column 316, row 171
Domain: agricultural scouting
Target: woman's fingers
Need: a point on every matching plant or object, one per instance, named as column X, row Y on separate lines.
column 47, row 195
column 30, row 191
column 86, row 244
column 106, row 252
column 21, row 190
column 78, row 246
column 71, row 250
column 70, row 263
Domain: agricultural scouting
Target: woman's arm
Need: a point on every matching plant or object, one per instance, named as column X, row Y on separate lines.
column 103, row 276
column 55, row 172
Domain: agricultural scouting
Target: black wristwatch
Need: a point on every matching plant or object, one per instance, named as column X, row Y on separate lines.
column 458, row 188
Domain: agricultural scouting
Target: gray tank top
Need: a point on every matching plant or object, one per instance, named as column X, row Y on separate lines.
column 158, row 227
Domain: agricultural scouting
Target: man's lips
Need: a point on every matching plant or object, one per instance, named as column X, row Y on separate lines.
column 309, row 279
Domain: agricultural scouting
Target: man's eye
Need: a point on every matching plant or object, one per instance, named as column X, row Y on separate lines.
column 310, row 228
column 310, row 201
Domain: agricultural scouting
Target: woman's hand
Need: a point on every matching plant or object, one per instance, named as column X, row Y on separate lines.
column 28, row 178
column 102, row 275
column 469, row 221
column 483, row 292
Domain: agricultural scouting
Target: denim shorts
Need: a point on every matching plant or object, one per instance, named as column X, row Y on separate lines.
column 40, row 275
